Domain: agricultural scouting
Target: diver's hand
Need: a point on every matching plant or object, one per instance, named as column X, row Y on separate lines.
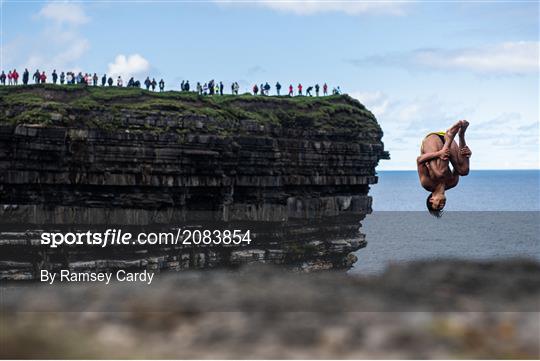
column 465, row 151
column 444, row 153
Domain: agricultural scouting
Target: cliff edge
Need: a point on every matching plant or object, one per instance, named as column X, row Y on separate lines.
column 296, row 171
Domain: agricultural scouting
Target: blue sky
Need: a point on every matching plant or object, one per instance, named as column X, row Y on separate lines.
column 418, row 65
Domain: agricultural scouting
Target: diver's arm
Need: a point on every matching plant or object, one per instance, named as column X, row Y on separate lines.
column 443, row 154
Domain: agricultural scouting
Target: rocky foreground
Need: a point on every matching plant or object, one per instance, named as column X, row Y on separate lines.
column 443, row 309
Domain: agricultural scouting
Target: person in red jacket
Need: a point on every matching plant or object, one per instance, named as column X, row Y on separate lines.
column 43, row 78
column 325, row 89
column 15, row 77
column 299, row 89
column 10, row 78
column 291, row 91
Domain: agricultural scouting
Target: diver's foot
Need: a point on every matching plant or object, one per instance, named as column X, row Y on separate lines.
column 463, row 129
column 451, row 132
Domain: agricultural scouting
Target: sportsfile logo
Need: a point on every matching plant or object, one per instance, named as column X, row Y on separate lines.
column 110, row 237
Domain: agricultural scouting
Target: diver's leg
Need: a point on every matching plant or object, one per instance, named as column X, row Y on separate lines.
column 459, row 155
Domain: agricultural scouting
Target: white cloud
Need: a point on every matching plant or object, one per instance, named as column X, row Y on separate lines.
column 377, row 102
column 520, row 57
column 128, row 66
column 58, row 44
column 64, row 13
column 509, row 57
column 311, row 7
column 494, row 140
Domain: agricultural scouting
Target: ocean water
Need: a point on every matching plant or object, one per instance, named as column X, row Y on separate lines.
column 483, row 190
column 489, row 215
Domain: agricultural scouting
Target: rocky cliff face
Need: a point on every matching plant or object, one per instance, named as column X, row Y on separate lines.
column 295, row 171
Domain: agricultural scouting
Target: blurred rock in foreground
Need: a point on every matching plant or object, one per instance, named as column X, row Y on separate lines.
column 442, row 309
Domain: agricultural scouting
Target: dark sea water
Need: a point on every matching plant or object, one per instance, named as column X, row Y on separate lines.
column 490, row 214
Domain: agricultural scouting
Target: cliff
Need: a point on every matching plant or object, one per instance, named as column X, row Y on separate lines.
column 295, row 171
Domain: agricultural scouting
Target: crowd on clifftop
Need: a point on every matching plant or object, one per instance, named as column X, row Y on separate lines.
column 208, row 88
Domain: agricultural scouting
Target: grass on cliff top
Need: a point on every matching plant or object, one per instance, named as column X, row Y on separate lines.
column 76, row 105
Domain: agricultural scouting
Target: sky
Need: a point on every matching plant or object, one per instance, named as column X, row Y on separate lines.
column 418, row 66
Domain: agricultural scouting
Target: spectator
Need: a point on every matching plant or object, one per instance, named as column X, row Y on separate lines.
column 261, row 89
column 86, row 79
column 211, row 87
column 308, row 90
column 131, row 82
column 10, row 78
column 110, row 81
column 291, row 90
column 153, row 84
column 35, row 77
column 199, row 88
column 186, row 85
column 205, row 89
column 25, row 77
column 278, row 88
column 267, row 89
column 54, row 76
column 161, row 85
column 317, row 89
column 70, row 77
column 255, row 89
column 325, row 89
column 43, row 77
column 103, row 80
column 220, row 88
column 15, row 76
column 147, row 83
column 95, row 79
column 299, row 89
column 62, row 78
column 3, row 77
column 119, row 81
column 182, row 86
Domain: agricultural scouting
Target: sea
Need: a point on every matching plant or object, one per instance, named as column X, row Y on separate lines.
column 491, row 214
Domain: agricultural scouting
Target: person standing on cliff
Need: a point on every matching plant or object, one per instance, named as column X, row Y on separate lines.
column 291, row 90
column 3, row 78
column 255, row 89
column 317, row 89
column 299, row 89
column 26, row 76
column 220, row 88
column 54, row 76
column 161, row 85
column 325, row 89
column 278, row 88
column 438, row 149
column 15, row 76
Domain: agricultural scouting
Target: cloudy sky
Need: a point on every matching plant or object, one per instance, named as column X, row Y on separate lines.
column 418, row 65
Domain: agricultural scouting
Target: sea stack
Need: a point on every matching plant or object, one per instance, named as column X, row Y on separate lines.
column 294, row 171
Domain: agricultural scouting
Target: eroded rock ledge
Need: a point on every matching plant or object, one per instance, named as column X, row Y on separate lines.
column 295, row 171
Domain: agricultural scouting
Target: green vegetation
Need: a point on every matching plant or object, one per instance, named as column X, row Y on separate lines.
column 112, row 107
